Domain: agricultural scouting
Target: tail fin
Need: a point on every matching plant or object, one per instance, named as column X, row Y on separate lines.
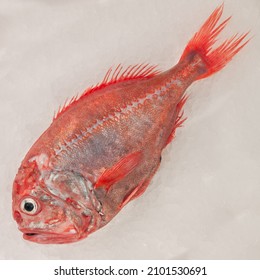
column 205, row 38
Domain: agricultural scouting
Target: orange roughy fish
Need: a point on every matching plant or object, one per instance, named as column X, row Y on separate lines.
column 103, row 148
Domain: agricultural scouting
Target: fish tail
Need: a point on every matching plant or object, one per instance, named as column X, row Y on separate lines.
column 202, row 43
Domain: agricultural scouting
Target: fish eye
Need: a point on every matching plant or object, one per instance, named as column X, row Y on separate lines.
column 29, row 206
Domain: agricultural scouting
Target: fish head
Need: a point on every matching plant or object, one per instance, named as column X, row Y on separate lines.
column 52, row 206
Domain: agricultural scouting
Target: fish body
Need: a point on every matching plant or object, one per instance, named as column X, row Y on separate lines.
column 103, row 148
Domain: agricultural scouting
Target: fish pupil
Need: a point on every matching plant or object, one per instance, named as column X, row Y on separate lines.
column 28, row 206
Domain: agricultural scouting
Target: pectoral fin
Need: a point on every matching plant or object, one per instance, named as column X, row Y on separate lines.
column 118, row 171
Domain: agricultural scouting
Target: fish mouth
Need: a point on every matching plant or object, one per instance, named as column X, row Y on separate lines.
column 30, row 233
column 45, row 237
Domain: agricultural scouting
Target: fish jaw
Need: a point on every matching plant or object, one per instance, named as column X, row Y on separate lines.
column 45, row 237
column 61, row 232
column 65, row 228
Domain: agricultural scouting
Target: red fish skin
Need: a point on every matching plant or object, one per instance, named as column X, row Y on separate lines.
column 101, row 152
column 117, row 137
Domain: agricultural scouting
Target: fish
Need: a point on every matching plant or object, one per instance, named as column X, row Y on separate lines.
column 103, row 147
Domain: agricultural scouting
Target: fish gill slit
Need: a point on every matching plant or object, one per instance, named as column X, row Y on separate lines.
column 127, row 109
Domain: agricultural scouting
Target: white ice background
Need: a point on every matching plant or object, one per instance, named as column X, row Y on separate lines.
column 204, row 201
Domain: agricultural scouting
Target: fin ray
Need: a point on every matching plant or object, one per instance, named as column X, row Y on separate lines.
column 202, row 43
column 180, row 118
column 121, row 169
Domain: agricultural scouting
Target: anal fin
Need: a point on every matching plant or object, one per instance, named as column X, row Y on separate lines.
column 137, row 191
column 180, row 118
column 140, row 188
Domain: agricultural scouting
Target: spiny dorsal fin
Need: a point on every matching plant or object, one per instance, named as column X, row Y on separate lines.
column 138, row 71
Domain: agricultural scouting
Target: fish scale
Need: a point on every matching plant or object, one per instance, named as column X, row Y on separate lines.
column 128, row 109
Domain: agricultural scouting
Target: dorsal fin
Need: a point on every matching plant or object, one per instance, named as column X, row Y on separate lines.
column 119, row 74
